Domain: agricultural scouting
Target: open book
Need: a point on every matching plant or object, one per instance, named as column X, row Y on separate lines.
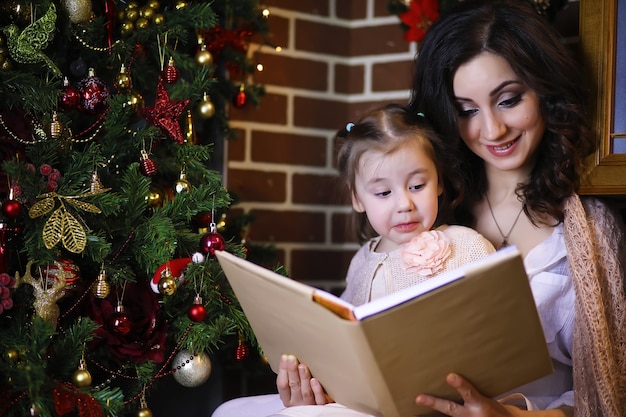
column 479, row 321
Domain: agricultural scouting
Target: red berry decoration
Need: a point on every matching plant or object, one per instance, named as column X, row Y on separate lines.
column 70, row 97
column 241, row 98
column 196, row 311
column 171, row 73
column 120, row 322
column 241, row 352
column 211, row 242
column 11, row 209
column 147, row 166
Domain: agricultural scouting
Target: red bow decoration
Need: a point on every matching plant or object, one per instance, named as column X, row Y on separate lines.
column 165, row 113
column 67, row 398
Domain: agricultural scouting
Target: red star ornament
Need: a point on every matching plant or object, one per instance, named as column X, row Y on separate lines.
column 165, row 113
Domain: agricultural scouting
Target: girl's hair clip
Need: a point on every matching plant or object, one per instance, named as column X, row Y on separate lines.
column 421, row 114
column 349, row 127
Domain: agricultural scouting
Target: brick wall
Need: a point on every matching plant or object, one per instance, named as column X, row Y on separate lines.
column 338, row 59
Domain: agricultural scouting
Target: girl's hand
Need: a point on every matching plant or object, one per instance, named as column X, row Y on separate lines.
column 474, row 404
column 295, row 384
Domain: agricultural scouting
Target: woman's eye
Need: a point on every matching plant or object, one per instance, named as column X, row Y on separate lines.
column 383, row 194
column 465, row 113
column 416, row 187
column 511, row 102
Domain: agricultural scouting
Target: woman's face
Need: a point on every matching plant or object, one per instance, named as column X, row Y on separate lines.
column 498, row 115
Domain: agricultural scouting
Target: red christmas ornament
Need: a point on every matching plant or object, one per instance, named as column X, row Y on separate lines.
column 165, row 113
column 210, row 242
column 120, row 322
column 171, row 73
column 11, row 209
column 241, row 98
column 147, row 166
column 196, row 311
column 241, row 352
column 94, row 93
column 70, row 97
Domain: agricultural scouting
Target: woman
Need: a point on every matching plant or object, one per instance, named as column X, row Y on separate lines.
column 495, row 80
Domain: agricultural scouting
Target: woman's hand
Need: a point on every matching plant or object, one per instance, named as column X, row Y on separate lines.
column 296, row 386
column 474, row 404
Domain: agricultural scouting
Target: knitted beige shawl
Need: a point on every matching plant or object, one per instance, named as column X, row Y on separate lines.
column 594, row 238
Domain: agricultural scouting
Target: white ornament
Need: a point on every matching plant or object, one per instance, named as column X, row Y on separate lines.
column 192, row 370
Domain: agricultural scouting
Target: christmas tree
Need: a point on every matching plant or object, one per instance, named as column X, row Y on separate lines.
column 111, row 211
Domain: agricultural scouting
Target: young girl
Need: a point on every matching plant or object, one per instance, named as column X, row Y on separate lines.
column 390, row 168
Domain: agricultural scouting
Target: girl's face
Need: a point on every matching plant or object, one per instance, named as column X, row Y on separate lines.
column 398, row 192
column 499, row 117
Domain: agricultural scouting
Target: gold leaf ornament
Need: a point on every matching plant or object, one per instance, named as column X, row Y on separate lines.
column 41, row 207
column 62, row 226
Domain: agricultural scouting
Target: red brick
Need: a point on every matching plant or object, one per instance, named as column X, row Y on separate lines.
column 316, row 189
column 288, row 226
column 315, row 7
column 349, row 79
column 321, row 265
column 286, row 148
column 351, row 10
column 286, row 71
column 377, row 40
column 251, row 185
column 278, row 32
column 273, row 109
column 381, row 8
column 392, row 76
column 319, row 113
column 322, row 38
column 236, row 147
column 342, row 229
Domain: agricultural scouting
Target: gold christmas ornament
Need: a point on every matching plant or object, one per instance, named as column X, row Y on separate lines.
column 167, row 284
column 188, row 132
column 81, row 378
column 158, row 19
column 204, row 58
column 155, row 197
column 11, row 355
column 55, row 126
column 142, row 23
column 182, row 185
column 206, row 107
column 126, row 28
column 135, row 100
column 132, row 15
column 191, row 370
column 153, row 4
column 79, row 11
column 143, row 411
column 101, row 287
column 146, row 12
column 46, row 296
column 180, row 4
column 122, row 80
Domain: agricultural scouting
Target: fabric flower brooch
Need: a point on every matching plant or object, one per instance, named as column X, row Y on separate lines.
column 426, row 253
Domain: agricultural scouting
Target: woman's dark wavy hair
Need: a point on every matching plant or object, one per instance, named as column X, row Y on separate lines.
column 386, row 129
column 514, row 31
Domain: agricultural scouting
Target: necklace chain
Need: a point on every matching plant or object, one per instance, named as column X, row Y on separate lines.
column 505, row 238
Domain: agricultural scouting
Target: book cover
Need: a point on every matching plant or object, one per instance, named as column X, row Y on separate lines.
column 479, row 321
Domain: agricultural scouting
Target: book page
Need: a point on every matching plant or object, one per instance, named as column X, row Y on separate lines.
column 384, row 303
